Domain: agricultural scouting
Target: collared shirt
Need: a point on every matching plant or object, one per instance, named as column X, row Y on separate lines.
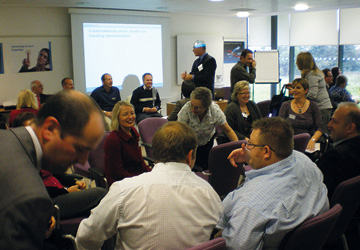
column 106, row 100
column 273, row 201
column 167, row 208
column 204, row 129
column 37, row 145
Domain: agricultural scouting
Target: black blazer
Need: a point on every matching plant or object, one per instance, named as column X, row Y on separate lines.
column 340, row 163
column 205, row 77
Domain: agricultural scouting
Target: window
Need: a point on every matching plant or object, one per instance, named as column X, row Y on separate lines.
column 351, row 68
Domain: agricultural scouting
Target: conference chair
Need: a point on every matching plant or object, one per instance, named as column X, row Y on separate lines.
column 224, row 178
column 81, row 169
column 147, row 129
column 301, row 141
column 215, row 244
column 347, row 194
column 96, row 162
column 264, row 108
column 312, row 233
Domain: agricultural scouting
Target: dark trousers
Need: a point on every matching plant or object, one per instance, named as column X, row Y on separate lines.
column 202, row 154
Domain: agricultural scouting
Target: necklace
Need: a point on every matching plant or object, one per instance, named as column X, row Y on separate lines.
column 300, row 108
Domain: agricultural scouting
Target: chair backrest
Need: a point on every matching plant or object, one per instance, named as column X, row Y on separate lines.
column 264, row 108
column 147, row 129
column 96, row 156
column 215, row 244
column 301, row 141
column 347, row 194
column 224, row 177
column 312, row 234
column 81, row 169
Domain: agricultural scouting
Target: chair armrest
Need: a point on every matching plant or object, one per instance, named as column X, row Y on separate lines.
column 147, row 145
column 75, row 176
column 96, row 171
column 149, row 160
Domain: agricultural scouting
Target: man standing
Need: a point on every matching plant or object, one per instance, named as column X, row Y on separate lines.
column 239, row 72
column 106, row 95
column 167, row 208
column 66, row 128
column 38, row 88
column 146, row 99
column 328, row 78
column 67, row 83
column 342, row 161
column 203, row 70
column 284, row 189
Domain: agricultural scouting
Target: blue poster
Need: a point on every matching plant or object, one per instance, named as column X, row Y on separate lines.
column 232, row 51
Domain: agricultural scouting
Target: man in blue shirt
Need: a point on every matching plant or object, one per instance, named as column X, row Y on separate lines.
column 283, row 190
column 106, row 96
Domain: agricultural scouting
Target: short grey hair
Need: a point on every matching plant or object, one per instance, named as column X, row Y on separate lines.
column 203, row 94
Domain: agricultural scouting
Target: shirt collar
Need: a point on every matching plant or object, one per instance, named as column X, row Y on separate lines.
column 275, row 167
column 37, row 145
column 146, row 88
column 171, row 166
column 201, row 57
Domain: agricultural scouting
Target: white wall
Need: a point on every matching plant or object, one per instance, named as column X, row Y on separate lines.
column 54, row 23
column 22, row 24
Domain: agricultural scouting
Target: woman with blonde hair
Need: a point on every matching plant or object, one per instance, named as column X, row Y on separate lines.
column 25, row 103
column 241, row 112
column 317, row 85
column 122, row 151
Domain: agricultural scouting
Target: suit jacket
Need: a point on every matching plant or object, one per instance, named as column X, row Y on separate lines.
column 206, row 76
column 44, row 97
column 25, row 206
column 340, row 163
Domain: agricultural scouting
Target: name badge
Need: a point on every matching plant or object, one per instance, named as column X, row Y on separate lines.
column 200, row 67
column 291, row 116
column 113, row 98
column 245, row 115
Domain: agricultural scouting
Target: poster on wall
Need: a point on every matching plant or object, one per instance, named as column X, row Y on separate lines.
column 232, row 51
column 30, row 57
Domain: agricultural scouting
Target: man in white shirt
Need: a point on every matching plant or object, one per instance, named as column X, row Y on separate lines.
column 167, row 208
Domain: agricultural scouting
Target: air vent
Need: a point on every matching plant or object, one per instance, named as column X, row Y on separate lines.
column 242, row 9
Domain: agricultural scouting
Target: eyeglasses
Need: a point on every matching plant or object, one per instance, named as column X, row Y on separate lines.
column 197, row 108
column 251, row 146
column 244, row 93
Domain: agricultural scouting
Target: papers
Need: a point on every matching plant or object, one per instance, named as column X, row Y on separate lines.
column 317, row 148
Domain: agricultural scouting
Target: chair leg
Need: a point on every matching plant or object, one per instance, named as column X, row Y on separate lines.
column 344, row 242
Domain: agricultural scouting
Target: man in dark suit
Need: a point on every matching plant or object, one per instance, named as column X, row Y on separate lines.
column 342, row 161
column 38, row 88
column 66, row 128
column 203, row 70
column 244, row 69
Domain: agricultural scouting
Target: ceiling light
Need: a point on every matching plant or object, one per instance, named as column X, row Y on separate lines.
column 242, row 14
column 216, row 0
column 301, row 7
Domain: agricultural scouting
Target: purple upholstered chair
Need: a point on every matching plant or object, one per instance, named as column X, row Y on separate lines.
column 347, row 194
column 215, row 244
column 264, row 108
column 96, row 161
column 312, row 234
column 301, row 141
column 147, row 129
column 224, row 177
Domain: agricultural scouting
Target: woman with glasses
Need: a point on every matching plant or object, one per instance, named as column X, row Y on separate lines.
column 317, row 86
column 203, row 115
column 303, row 114
column 42, row 63
column 241, row 112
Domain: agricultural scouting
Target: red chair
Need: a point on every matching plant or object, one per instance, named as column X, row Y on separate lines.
column 347, row 194
column 312, row 234
column 147, row 129
column 301, row 141
column 215, row 244
column 224, row 178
